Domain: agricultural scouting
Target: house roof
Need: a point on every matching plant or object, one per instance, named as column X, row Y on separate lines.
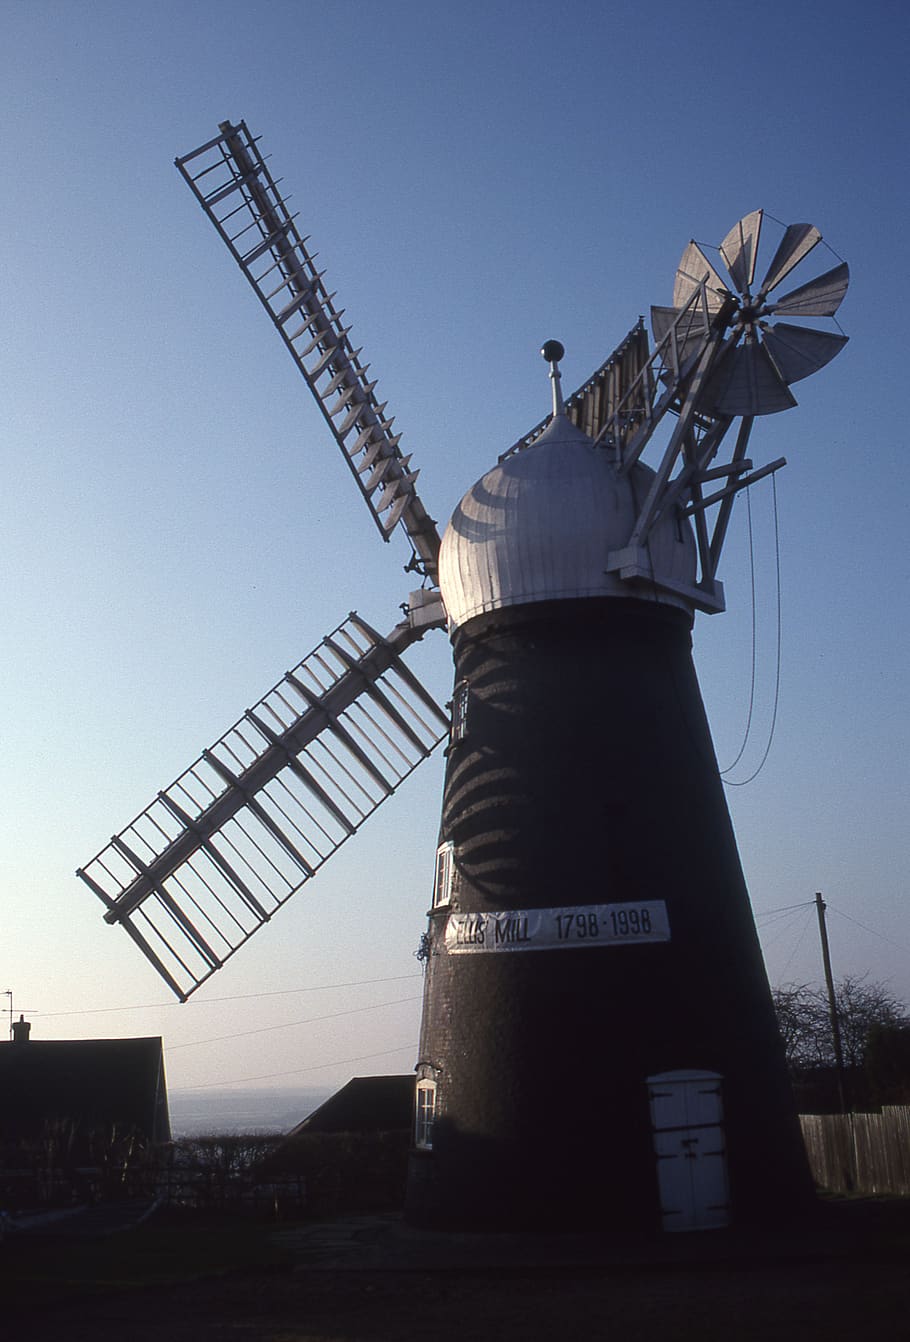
column 93, row 1082
column 365, row 1104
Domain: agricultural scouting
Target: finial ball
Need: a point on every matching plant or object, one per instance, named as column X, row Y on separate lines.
column 553, row 351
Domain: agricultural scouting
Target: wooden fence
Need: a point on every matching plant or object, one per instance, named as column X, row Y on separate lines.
column 860, row 1153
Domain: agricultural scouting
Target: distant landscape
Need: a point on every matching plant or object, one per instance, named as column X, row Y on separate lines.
column 196, row 1113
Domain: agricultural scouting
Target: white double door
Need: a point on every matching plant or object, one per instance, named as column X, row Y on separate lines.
column 687, row 1124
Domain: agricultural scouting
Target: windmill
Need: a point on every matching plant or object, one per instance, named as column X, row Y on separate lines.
column 597, row 1042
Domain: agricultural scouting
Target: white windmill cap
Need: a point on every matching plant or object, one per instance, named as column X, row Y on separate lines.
column 540, row 525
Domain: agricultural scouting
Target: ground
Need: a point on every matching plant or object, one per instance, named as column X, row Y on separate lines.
column 370, row 1279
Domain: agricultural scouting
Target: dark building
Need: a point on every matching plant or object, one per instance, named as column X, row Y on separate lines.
column 364, row 1104
column 95, row 1085
column 351, row 1153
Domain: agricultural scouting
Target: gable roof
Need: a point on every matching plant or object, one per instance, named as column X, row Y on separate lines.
column 365, row 1104
column 95, row 1083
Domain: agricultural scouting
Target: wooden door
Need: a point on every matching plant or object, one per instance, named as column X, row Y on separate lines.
column 688, row 1135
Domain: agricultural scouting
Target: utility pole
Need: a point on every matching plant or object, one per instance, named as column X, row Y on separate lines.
column 820, row 907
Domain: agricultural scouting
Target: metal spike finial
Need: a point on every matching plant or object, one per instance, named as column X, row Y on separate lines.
column 553, row 351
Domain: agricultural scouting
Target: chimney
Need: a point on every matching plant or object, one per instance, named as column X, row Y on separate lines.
column 21, row 1030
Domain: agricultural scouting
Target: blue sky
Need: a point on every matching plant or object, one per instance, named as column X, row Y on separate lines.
column 177, row 529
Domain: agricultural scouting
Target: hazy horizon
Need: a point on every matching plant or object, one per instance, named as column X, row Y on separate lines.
column 218, row 1111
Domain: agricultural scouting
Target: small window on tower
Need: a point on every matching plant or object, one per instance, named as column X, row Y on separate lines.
column 442, row 888
column 425, row 1115
column 460, row 711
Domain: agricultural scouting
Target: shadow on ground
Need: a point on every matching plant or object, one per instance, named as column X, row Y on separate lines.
column 372, row 1279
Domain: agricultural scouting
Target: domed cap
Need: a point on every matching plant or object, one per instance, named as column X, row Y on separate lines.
column 540, row 526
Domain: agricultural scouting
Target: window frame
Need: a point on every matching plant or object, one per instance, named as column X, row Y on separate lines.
column 461, row 696
column 425, row 1113
column 444, row 874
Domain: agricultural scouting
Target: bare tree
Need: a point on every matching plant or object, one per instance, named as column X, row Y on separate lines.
column 805, row 1022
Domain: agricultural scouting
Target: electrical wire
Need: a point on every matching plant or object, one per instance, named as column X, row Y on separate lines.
column 761, row 764
column 299, row 1071
column 772, row 931
column 796, row 945
column 785, row 908
column 287, row 1025
column 783, row 926
column 881, row 936
column 746, row 734
column 211, row 1001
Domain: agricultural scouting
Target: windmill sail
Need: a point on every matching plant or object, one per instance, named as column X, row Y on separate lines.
column 232, row 183
column 211, row 859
